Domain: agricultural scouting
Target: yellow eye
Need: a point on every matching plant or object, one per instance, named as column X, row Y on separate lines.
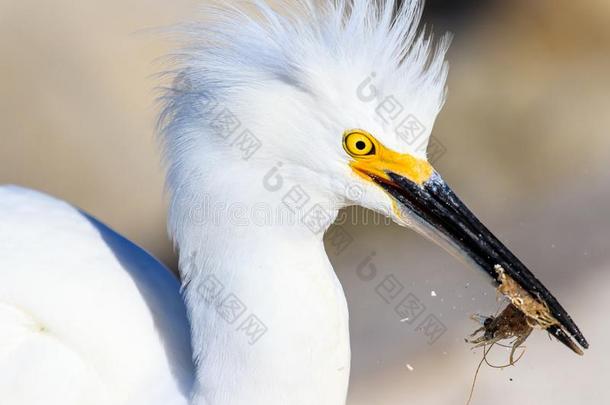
column 358, row 143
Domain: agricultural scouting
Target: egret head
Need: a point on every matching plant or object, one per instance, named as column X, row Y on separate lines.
column 343, row 97
column 308, row 86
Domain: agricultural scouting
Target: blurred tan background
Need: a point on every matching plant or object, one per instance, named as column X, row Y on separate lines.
column 526, row 128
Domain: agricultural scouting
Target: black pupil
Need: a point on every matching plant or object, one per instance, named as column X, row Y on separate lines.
column 360, row 145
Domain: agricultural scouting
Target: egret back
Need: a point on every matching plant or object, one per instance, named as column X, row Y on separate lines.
column 86, row 316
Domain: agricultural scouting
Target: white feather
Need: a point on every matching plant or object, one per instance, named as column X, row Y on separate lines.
column 86, row 317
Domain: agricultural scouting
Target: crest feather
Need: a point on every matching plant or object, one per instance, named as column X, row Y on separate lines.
column 321, row 49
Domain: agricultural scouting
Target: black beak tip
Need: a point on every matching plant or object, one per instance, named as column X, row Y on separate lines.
column 564, row 338
column 566, row 331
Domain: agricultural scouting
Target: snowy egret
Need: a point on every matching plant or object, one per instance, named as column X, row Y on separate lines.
column 294, row 111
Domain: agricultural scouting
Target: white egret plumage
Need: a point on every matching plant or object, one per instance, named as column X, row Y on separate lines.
column 86, row 317
column 270, row 109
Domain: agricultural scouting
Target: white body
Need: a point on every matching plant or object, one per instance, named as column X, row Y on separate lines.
column 86, row 317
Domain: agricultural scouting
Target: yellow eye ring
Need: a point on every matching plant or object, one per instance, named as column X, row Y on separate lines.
column 359, row 143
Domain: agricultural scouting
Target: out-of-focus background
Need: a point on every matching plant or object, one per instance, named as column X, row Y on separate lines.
column 526, row 132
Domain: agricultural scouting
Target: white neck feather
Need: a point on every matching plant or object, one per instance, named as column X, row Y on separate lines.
column 269, row 317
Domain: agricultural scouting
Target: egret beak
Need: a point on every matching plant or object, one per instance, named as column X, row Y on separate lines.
column 420, row 191
column 459, row 230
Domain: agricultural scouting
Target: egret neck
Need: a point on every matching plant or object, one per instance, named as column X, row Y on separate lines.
column 269, row 317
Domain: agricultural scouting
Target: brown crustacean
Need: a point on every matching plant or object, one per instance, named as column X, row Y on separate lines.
column 511, row 323
column 514, row 323
column 518, row 319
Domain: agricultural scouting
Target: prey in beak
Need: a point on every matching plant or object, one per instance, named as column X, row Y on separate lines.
column 417, row 189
